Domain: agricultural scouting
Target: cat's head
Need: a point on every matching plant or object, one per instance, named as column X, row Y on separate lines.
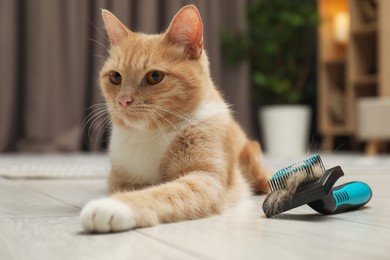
column 155, row 80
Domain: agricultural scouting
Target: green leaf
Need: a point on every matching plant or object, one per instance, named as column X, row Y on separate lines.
column 277, row 45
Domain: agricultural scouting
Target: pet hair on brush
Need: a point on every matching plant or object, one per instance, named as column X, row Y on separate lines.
column 298, row 184
column 308, row 182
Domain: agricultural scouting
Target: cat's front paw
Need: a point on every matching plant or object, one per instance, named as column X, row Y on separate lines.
column 107, row 215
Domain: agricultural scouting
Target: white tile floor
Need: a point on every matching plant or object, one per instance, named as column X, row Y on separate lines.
column 39, row 220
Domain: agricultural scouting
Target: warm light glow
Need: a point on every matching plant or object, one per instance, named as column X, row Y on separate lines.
column 341, row 27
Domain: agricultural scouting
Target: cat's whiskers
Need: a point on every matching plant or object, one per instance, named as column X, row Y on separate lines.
column 106, row 121
column 174, row 127
column 102, row 57
column 159, row 125
column 97, row 132
column 101, row 104
column 178, row 114
column 97, row 42
column 96, row 119
column 96, row 112
column 107, row 41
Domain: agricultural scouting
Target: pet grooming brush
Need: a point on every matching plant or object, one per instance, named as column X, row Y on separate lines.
column 308, row 182
column 349, row 196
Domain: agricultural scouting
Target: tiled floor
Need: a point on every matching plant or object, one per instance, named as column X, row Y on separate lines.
column 39, row 220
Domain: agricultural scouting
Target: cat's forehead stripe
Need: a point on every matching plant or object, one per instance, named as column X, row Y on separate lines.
column 138, row 50
column 140, row 58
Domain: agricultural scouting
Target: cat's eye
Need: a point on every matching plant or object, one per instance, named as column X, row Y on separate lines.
column 115, row 77
column 154, row 77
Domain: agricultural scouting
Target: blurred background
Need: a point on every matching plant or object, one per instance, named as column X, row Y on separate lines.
column 301, row 75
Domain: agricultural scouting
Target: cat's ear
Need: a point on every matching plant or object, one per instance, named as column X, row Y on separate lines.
column 187, row 29
column 116, row 30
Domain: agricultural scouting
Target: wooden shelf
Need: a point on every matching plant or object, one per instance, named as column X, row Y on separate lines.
column 357, row 69
column 341, row 130
column 335, row 62
column 363, row 80
column 365, row 29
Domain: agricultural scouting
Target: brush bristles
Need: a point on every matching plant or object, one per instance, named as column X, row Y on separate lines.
column 285, row 183
column 310, row 169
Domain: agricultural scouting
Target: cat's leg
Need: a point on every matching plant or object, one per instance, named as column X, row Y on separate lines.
column 195, row 195
column 252, row 167
column 120, row 181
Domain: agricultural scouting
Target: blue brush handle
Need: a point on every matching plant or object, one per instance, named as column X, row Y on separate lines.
column 351, row 195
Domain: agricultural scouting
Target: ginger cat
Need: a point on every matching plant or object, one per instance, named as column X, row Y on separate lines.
column 176, row 151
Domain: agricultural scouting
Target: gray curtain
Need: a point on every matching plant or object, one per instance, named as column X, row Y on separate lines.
column 51, row 52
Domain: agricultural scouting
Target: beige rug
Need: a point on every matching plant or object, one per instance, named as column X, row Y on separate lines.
column 56, row 166
column 76, row 166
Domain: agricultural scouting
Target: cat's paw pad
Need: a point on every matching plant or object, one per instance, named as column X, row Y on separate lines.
column 107, row 215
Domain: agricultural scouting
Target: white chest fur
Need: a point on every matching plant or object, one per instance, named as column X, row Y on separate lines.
column 139, row 153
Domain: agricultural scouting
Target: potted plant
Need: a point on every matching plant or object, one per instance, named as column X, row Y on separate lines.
column 279, row 46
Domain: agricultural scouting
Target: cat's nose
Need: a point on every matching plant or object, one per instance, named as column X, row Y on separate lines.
column 125, row 101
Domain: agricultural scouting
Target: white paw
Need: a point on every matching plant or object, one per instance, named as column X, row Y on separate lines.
column 107, row 215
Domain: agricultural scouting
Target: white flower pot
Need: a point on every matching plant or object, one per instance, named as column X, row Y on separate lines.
column 285, row 129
